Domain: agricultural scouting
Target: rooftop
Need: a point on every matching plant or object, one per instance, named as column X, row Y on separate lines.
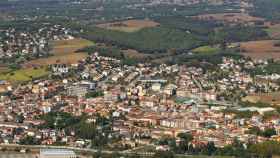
column 52, row 152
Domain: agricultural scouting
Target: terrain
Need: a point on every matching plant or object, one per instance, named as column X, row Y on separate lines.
column 63, row 52
column 263, row 49
column 129, row 25
column 270, row 98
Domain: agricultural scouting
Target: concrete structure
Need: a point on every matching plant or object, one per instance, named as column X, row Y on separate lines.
column 57, row 153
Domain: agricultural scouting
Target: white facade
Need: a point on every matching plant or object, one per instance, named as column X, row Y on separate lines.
column 57, row 153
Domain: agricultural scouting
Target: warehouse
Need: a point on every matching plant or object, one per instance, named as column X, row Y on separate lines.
column 57, row 153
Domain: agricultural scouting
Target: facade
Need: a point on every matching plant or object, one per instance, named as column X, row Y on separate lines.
column 77, row 90
column 57, row 153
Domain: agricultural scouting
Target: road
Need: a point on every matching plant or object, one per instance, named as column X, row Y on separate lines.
column 74, row 149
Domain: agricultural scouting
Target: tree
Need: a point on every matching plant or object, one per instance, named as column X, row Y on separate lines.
column 265, row 149
column 29, row 141
column 185, row 139
column 209, row 149
column 164, row 154
column 269, row 132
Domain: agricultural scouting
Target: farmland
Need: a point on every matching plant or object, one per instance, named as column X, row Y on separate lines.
column 273, row 31
column 206, row 50
column 269, row 98
column 63, row 52
column 230, row 17
column 129, row 25
column 261, row 49
column 23, row 75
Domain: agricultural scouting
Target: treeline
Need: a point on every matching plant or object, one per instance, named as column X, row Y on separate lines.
column 269, row 9
column 236, row 149
column 201, row 60
column 273, row 67
column 213, row 31
column 237, row 34
column 199, row 27
column 113, row 52
column 107, row 51
column 98, row 131
column 181, row 35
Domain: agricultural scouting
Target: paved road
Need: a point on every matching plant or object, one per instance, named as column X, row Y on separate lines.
column 11, row 155
column 72, row 148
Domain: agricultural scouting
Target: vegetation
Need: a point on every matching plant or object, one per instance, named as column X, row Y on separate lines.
column 59, row 120
column 269, row 9
column 241, row 114
column 206, row 50
column 265, row 149
column 98, row 130
column 266, row 133
column 237, row 149
column 200, row 27
column 271, row 68
column 147, row 40
column 24, row 75
column 108, row 51
column 29, row 140
column 94, row 94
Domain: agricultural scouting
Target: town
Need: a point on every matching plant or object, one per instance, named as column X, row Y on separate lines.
column 139, row 78
column 101, row 102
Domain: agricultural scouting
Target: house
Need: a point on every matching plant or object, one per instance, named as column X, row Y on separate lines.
column 156, row 87
column 170, row 89
column 60, row 69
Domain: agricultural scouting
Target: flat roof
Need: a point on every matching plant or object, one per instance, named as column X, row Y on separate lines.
column 52, row 152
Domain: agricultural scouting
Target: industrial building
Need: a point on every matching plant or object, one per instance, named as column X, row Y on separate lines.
column 57, row 153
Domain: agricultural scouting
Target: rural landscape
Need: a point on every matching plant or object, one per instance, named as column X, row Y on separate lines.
column 140, row 78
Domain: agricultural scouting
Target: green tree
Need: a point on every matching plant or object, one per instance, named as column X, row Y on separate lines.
column 185, row 139
column 164, row 154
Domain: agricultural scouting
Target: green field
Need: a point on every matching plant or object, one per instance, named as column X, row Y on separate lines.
column 206, row 50
column 24, row 75
column 274, row 32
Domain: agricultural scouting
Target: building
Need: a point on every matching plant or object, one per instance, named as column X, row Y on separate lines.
column 60, row 68
column 156, row 87
column 77, row 90
column 57, row 153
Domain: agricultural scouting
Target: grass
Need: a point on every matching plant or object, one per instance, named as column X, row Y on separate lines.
column 24, row 75
column 125, row 29
column 206, row 50
column 63, row 52
column 273, row 31
column 129, row 26
column 75, row 43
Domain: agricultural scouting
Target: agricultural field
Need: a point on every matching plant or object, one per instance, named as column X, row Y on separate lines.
column 273, row 31
column 24, row 75
column 230, row 17
column 131, row 53
column 129, row 25
column 206, row 50
column 63, row 53
column 269, row 98
column 264, row 49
